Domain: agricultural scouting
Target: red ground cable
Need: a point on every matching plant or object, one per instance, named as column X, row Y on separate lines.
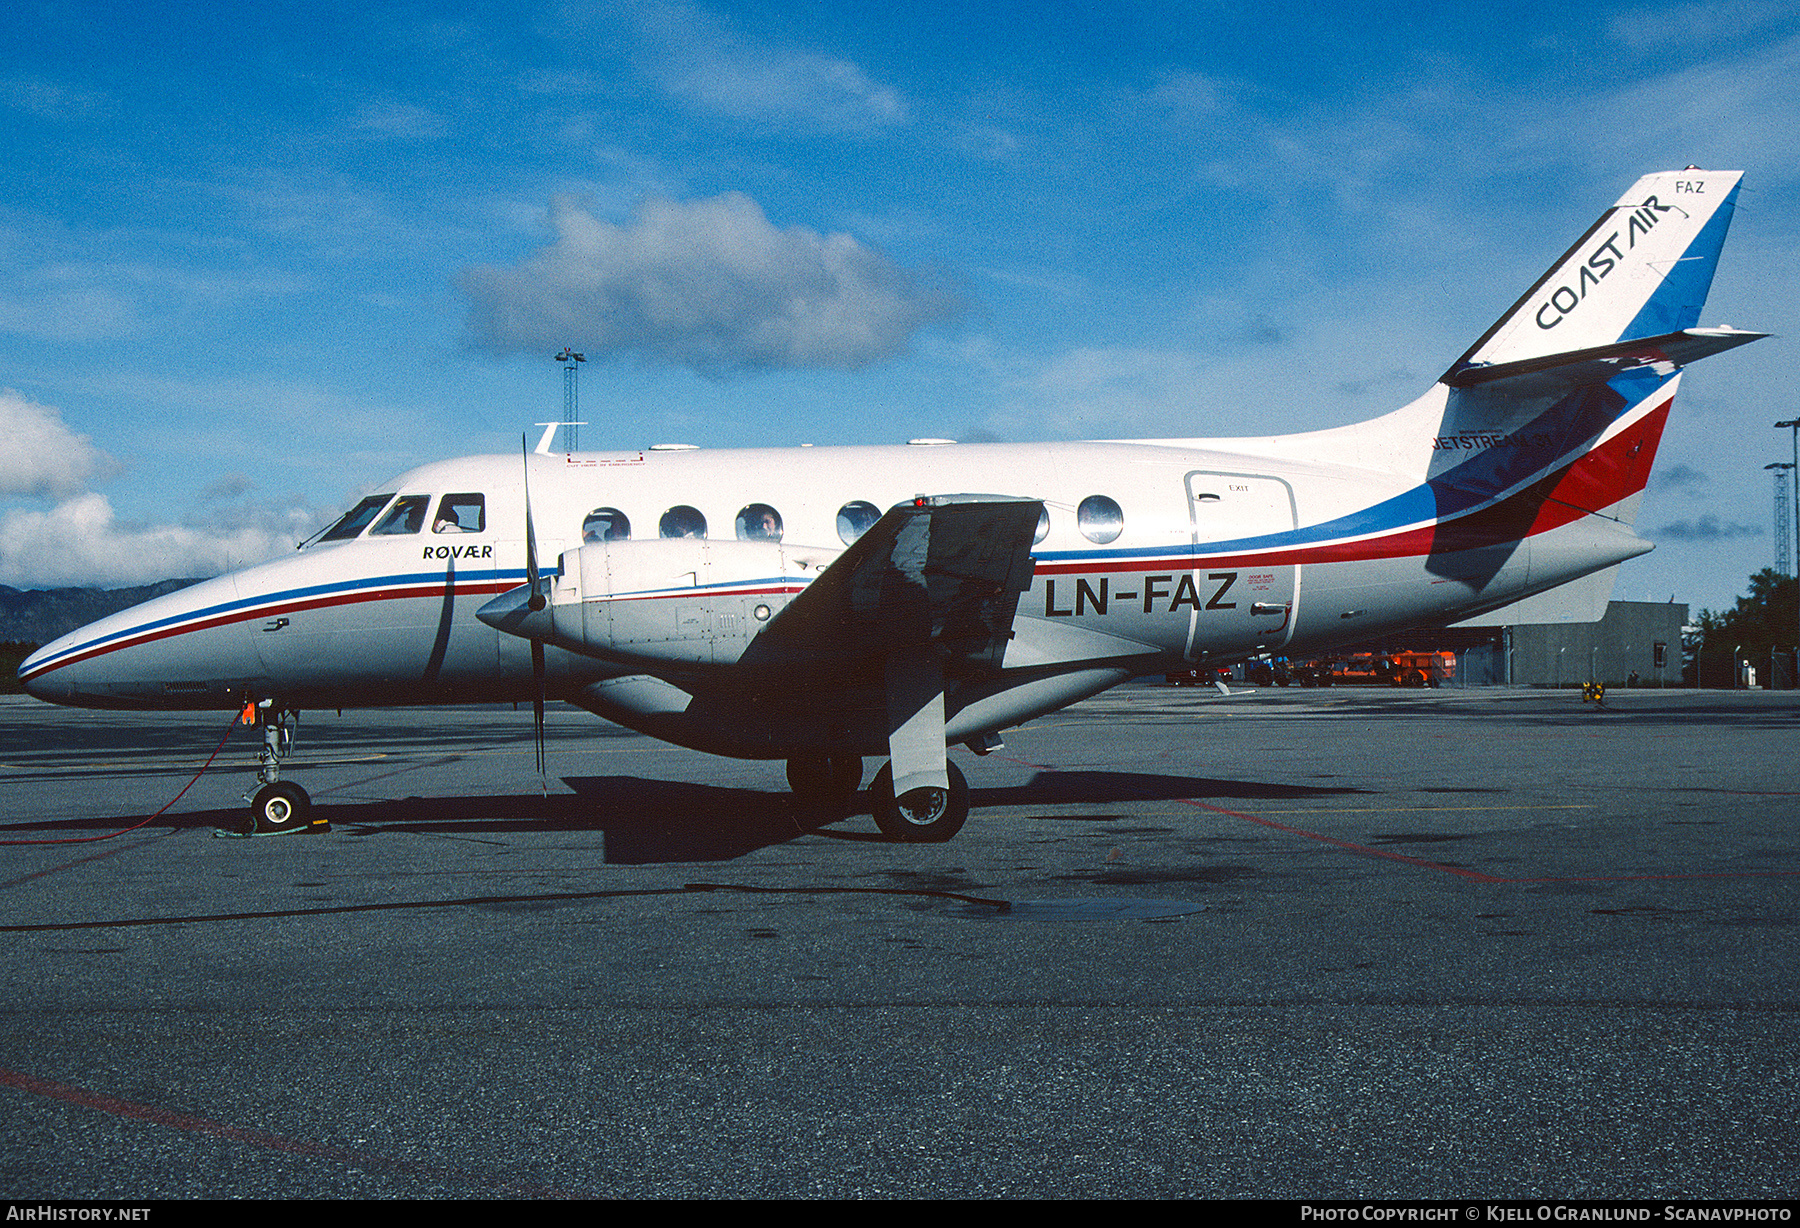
column 123, row 830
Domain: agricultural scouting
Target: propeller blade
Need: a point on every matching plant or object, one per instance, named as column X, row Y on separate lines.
column 537, row 699
column 537, row 601
column 531, row 565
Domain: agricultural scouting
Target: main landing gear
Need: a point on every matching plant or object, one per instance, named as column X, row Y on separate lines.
column 827, row 782
column 278, row 805
column 926, row 815
column 920, row 816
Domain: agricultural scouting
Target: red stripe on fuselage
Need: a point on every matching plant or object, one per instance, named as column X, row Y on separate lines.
column 1598, row 479
column 316, row 603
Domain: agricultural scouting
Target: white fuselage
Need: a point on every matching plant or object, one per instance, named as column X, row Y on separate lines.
column 1154, row 555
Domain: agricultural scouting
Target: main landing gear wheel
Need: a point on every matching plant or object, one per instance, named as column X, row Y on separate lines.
column 282, row 806
column 827, row 782
column 920, row 816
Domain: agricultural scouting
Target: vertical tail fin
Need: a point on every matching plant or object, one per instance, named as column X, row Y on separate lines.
column 1563, row 400
column 1570, row 388
column 1642, row 270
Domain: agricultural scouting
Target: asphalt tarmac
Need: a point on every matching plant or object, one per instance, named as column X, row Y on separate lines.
column 1298, row 944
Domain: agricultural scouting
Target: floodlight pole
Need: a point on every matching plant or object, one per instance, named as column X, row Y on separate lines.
column 1784, row 545
column 1792, row 425
column 571, row 396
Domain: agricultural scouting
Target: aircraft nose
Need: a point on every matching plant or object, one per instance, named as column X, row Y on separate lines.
column 50, row 687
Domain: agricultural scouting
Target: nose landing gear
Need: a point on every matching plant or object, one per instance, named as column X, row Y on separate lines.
column 278, row 805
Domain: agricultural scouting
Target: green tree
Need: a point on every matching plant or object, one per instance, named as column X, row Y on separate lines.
column 1762, row 621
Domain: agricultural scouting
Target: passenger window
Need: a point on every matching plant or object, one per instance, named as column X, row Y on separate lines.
column 682, row 521
column 1100, row 519
column 1043, row 528
column 606, row 524
column 461, row 514
column 855, row 519
column 356, row 519
column 406, row 516
column 759, row 523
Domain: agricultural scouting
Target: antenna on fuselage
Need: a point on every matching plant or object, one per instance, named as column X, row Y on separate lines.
column 550, row 428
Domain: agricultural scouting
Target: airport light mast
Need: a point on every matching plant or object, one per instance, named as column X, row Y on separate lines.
column 571, row 396
column 1784, row 555
column 1793, row 425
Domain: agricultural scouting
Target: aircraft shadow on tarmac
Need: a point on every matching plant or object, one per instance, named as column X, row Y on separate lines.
column 652, row 821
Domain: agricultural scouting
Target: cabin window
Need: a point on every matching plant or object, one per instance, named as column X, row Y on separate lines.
column 1100, row 519
column 406, row 516
column 461, row 514
column 855, row 519
column 682, row 521
column 759, row 522
column 606, row 524
column 356, row 519
column 1043, row 528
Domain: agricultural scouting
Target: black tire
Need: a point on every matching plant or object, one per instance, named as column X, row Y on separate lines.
column 282, row 806
column 818, row 780
column 922, row 816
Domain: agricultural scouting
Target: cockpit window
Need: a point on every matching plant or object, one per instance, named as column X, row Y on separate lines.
column 460, row 514
column 606, row 524
column 356, row 519
column 406, row 516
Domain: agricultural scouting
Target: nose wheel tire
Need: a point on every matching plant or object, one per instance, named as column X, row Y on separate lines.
column 282, row 806
column 920, row 816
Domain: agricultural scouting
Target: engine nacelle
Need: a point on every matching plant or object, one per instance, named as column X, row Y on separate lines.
column 685, row 600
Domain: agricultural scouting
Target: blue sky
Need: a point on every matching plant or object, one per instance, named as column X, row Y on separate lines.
column 255, row 259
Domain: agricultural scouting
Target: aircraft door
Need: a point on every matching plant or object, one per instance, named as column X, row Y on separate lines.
column 1246, row 603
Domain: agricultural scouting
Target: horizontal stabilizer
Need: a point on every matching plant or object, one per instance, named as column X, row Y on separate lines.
column 1553, row 374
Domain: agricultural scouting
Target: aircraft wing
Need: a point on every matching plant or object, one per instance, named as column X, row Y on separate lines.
column 943, row 570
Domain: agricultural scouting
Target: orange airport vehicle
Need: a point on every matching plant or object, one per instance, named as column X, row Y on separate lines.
column 1403, row 668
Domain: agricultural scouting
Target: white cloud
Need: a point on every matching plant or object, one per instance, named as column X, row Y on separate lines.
column 707, row 284
column 80, row 541
column 81, row 299
column 53, row 100
column 1688, row 25
column 698, row 60
column 399, row 120
column 42, row 456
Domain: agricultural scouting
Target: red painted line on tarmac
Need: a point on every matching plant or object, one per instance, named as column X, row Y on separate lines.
column 1460, row 871
column 1477, row 875
column 237, row 1134
column 80, row 861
